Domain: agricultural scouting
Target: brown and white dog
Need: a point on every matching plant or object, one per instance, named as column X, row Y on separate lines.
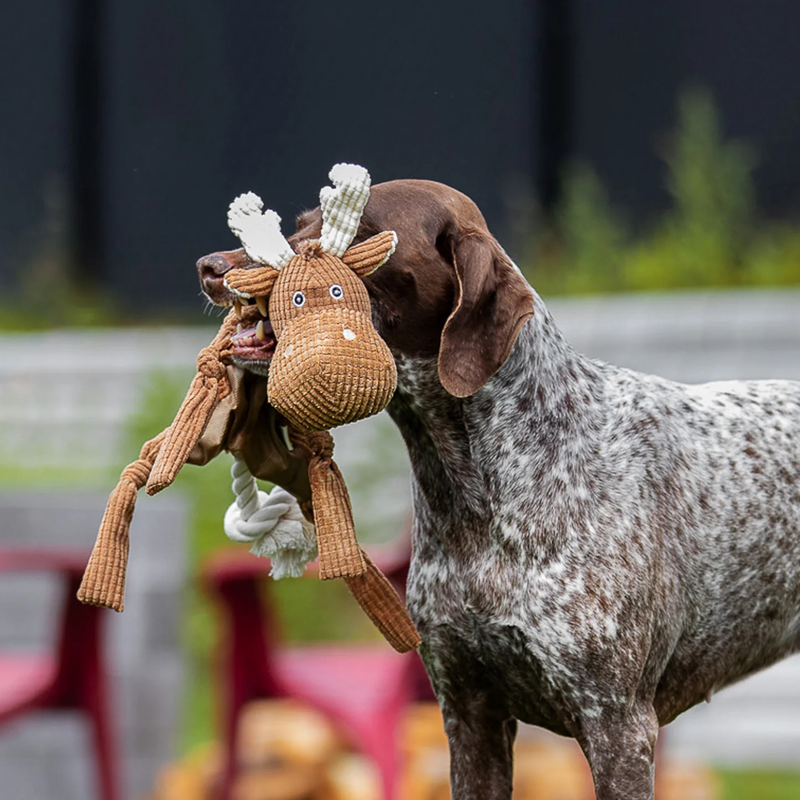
column 594, row 550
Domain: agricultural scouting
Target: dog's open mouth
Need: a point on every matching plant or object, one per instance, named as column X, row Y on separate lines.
column 254, row 341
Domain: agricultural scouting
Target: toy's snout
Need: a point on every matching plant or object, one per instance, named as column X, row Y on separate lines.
column 330, row 368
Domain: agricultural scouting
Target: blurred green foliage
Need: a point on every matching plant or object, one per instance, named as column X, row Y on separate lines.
column 710, row 236
column 759, row 785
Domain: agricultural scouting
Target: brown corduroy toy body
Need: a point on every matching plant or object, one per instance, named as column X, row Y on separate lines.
column 329, row 367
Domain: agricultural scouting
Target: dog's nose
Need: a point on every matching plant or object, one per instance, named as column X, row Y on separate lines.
column 214, row 264
column 211, row 270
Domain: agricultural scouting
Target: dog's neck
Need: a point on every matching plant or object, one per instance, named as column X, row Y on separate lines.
column 535, row 419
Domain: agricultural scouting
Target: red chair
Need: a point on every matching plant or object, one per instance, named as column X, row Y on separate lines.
column 73, row 677
column 361, row 688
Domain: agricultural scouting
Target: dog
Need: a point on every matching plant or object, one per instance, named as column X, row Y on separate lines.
column 594, row 550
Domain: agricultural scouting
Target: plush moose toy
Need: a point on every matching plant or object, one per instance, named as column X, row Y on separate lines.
column 329, row 367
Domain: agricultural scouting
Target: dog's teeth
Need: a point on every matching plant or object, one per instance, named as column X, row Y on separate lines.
column 261, row 302
column 260, row 335
column 237, row 304
column 239, row 328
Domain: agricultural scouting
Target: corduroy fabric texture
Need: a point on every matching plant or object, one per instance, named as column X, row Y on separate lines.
column 103, row 581
column 256, row 282
column 339, row 553
column 342, row 206
column 330, row 367
column 366, row 257
column 209, row 386
column 330, row 511
column 376, row 596
column 260, row 233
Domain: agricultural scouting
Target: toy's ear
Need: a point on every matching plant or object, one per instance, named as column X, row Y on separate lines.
column 492, row 302
column 255, row 282
column 366, row 257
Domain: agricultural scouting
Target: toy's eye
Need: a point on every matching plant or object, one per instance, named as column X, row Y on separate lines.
column 336, row 291
column 299, row 299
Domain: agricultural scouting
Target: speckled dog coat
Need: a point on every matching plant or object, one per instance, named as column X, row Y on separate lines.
column 595, row 550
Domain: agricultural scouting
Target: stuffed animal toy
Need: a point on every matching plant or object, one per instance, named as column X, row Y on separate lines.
column 329, row 367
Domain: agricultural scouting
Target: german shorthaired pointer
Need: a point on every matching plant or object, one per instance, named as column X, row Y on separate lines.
column 595, row 550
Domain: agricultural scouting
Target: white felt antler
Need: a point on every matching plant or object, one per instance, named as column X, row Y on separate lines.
column 272, row 523
column 259, row 233
column 342, row 207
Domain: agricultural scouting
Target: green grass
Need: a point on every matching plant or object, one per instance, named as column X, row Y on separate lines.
column 759, row 785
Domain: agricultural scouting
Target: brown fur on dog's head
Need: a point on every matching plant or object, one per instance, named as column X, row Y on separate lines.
column 448, row 291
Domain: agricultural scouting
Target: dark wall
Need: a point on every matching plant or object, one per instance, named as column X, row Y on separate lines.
column 199, row 101
column 632, row 58
column 212, row 99
column 35, row 132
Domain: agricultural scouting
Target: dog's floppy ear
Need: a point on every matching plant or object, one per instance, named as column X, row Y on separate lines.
column 492, row 303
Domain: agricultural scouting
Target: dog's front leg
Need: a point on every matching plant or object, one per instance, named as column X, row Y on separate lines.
column 481, row 740
column 620, row 748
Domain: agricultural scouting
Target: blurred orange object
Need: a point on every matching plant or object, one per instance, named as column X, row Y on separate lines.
column 362, row 689
column 291, row 752
column 545, row 768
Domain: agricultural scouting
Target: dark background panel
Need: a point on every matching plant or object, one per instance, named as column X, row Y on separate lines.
column 629, row 64
column 748, row 55
column 129, row 127
column 442, row 92
column 35, row 132
column 631, row 61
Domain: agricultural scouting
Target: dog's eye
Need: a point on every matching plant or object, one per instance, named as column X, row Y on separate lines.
column 336, row 291
column 298, row 298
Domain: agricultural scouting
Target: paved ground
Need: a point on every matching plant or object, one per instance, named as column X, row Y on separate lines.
column 64, row 399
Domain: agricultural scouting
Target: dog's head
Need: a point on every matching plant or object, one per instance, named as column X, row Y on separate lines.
column 448, row 291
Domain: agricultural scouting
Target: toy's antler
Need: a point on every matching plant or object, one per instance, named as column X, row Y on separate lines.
column 343, row 206
column 259, row 233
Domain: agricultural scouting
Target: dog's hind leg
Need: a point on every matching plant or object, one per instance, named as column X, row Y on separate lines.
column 620, row 748
column 481, row 740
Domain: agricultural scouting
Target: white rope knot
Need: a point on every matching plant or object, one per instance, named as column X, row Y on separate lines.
column 272, row 523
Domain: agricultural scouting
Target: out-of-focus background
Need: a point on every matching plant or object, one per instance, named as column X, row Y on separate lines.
column 640, row 161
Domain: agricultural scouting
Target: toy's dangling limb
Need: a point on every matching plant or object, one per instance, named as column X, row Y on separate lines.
column 161, row 458
column 381, row 603
column 209, row 386
column 272, row 523
column 340, row 555
column 103, row 581
column 329, row 508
